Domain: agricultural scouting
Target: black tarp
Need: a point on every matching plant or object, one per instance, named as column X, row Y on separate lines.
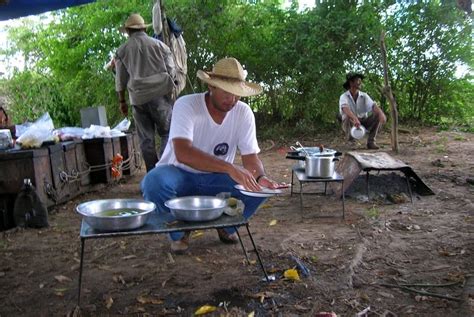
column 12, row 9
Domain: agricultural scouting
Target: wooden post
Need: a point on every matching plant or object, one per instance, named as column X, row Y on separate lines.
column 387, row 91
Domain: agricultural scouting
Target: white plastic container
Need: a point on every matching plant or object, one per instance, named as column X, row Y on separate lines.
column 5, row 139
column 358, row 133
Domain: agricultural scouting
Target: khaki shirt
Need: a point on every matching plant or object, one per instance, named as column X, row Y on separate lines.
column 141, row 63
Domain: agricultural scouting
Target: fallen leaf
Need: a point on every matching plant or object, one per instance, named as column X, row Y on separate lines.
column 259, row 295
column 118, row 279
column 170, row 258
column 197, row 234
column 108, row 301
column 265, row 206
column 291, row 274
column 364, row 296
column 301, row 308
column 164, row 282
column 62, row 278
column 143, row 299
column 273, row 222
column 204, row 310
column 105, row 268
column 198, row 259
column 60, row 291
column 419, row 298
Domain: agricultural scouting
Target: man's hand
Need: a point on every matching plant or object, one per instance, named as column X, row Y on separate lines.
column 355, row 122
column 347, row 111
column 268, row 183
column 245, row 178
column 124, row 108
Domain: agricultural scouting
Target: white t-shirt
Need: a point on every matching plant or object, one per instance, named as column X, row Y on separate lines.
column 364, row 104
column 191, row 120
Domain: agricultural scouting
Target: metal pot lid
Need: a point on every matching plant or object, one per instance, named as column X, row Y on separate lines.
column 315, row 151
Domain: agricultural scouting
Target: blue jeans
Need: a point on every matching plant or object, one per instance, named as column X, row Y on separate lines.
column 168, row 181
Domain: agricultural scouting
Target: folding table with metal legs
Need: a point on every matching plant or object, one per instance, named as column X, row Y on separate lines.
column 156, row 225
column 302, row 178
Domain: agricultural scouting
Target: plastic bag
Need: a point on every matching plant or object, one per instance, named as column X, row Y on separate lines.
column 96, row 131
column 69, row 133
column 123, row 125
column 40, row 131
column 21, row 128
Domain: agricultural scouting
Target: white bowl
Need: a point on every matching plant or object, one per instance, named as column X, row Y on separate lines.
column 358, row 133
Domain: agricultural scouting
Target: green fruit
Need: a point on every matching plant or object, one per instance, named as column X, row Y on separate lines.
column 232, row 202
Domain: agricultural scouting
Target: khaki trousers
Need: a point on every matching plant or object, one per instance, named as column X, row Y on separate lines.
column 151, row 118
column 371, row 124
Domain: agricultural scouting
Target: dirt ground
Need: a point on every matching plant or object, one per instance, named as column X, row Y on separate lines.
column 383, row 258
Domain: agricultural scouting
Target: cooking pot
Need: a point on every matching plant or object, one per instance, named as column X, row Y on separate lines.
column 320, row 166
column 316, row 151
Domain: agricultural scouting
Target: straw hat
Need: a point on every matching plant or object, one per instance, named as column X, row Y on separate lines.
column 350, row 77
column 229, row 75
column 134, row 21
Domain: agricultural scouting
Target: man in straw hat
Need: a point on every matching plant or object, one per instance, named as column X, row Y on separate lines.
column 145, row 67
column 356, row 108
column 206, row 131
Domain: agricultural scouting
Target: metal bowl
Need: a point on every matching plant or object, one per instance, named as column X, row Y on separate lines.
column 196, row 208
column 116, row 214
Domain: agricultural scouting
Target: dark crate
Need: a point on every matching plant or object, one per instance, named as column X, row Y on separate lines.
column 82, row 166
column 99, row 154
column 35, row 164
column 7, row 202
column 58, row 172
column 127, row 151
column 71, row 165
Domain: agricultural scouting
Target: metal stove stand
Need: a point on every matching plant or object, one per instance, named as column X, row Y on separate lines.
column 156, row 225
column 302, row 178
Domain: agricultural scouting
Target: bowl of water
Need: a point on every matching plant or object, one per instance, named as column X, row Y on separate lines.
column 115, row 214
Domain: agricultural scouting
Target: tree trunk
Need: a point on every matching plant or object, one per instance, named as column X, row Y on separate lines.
column 387, row 90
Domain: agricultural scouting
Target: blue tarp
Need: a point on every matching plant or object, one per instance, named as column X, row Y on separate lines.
column 19, row 8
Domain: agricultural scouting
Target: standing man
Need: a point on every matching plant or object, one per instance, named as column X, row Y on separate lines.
column 357, row 108
column 206, row 131
column 145, row 67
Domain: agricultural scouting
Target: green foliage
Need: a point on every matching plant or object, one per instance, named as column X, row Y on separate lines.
column 373, row 212
column 428, row 41
column 300, row 58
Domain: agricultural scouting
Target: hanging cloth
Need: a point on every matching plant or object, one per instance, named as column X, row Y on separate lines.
column 173, row 37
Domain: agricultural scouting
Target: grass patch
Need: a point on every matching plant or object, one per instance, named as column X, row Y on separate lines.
column 459, row 138
column 373, row 212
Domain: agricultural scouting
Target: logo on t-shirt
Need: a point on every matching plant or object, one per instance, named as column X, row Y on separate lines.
column 221, row 149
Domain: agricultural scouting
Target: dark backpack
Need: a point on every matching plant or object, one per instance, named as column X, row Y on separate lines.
column 28, row 210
